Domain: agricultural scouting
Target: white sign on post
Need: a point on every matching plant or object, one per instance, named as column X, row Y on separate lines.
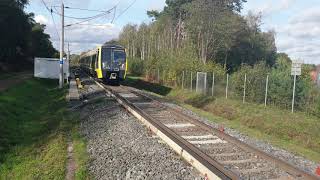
column 295, row 71
column 296, row 67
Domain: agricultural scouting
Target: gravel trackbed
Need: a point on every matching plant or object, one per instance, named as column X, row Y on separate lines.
column 120, row 147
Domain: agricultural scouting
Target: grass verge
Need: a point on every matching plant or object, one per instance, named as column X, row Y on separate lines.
column 80, row 155
column 298, row 132
column 33, row 132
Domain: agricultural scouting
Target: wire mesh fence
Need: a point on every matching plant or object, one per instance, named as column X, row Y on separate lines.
column 242, row 87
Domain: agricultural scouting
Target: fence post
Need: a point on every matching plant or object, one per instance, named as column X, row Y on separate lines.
column 191, row 82
column 266, row 95
column 164, row 77
column 294, row 92
column 158, row 75
column 212, row 84
column 182, row 80
column 205, row 84
column 244, row 88
column 197, row 81
column 227, row 86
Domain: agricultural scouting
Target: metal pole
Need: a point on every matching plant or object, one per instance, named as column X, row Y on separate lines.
column 158, row 75
column 244, row 88
column 163, row 77
column 227, row 86
column 68, row 60
column 212, row 84
column 205, row 84
column 294, row 91
column 197, row 82
column 61, row 79
column 182, row 79
column 191, row 82
column 266, row 95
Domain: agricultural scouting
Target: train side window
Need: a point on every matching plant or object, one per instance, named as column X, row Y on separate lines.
column 92, row 61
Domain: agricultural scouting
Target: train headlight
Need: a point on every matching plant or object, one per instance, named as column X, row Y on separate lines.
column 105, row 66
column 123, row 67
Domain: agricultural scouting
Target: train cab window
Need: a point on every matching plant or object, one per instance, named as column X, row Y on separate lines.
column 119, row 56
column 106, row 58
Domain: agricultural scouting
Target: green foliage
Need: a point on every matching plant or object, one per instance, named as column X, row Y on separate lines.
column 136, row 66
column 21, row 37
column 256, row 79
column 211, row 31
column 281, row 84
column 41, row 45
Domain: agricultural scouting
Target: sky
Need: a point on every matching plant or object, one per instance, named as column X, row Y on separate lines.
column 296, row 22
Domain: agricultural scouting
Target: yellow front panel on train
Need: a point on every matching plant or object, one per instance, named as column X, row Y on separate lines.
column 99, row 73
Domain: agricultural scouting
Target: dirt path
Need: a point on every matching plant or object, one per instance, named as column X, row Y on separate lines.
column 16, row 79
column 71, row 164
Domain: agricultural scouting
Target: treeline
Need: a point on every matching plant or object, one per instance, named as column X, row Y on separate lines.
column 212, row 36
column 204, row 30
column 21, row 38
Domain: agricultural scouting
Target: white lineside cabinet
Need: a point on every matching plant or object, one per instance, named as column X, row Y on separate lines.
column 49, row 68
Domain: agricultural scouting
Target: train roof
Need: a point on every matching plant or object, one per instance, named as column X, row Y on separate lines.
column 112, row 46
column 94, row 51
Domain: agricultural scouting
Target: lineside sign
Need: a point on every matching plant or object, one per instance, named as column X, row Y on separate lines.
column 296, row 67
column 295, row 71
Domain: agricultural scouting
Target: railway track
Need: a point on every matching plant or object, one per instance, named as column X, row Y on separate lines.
column 215, row 154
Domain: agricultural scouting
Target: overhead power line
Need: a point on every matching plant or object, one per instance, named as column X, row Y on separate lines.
column 85, row 19
column 134, row 1
column 55, row 26
column 83, row 9
column 89, row 19
column 45, row 5
column 50, row 11
column 73, row 17
column 101, row 25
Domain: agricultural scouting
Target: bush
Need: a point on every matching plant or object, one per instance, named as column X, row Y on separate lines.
column 136, row 66
column 171, row 64
column 256, row 79
column 281, row 84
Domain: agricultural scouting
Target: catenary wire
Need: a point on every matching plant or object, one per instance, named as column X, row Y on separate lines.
column 125, row 9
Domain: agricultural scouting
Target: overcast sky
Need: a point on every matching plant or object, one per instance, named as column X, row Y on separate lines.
column 296, row 22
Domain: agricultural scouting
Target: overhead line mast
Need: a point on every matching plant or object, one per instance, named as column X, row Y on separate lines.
column 61, row 78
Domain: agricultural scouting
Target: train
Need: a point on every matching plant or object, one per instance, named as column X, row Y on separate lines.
column 107, row 62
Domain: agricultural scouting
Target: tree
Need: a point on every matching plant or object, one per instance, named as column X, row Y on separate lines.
column 21, row 37
column 214, row 30
column 41, row 46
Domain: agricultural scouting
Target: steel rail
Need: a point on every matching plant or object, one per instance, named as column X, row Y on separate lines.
column 214, row 166
column 289, row 168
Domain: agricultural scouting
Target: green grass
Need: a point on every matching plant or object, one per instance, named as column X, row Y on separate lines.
column 298, row 132
column 11, row 75
column 80, row 155
column 33, row 132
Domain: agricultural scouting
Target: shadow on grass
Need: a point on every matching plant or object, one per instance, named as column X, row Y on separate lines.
column 147, row 86
column 200, row 100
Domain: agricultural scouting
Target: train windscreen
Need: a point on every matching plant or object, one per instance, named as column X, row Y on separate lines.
column 106, row 58
column 119, row 57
